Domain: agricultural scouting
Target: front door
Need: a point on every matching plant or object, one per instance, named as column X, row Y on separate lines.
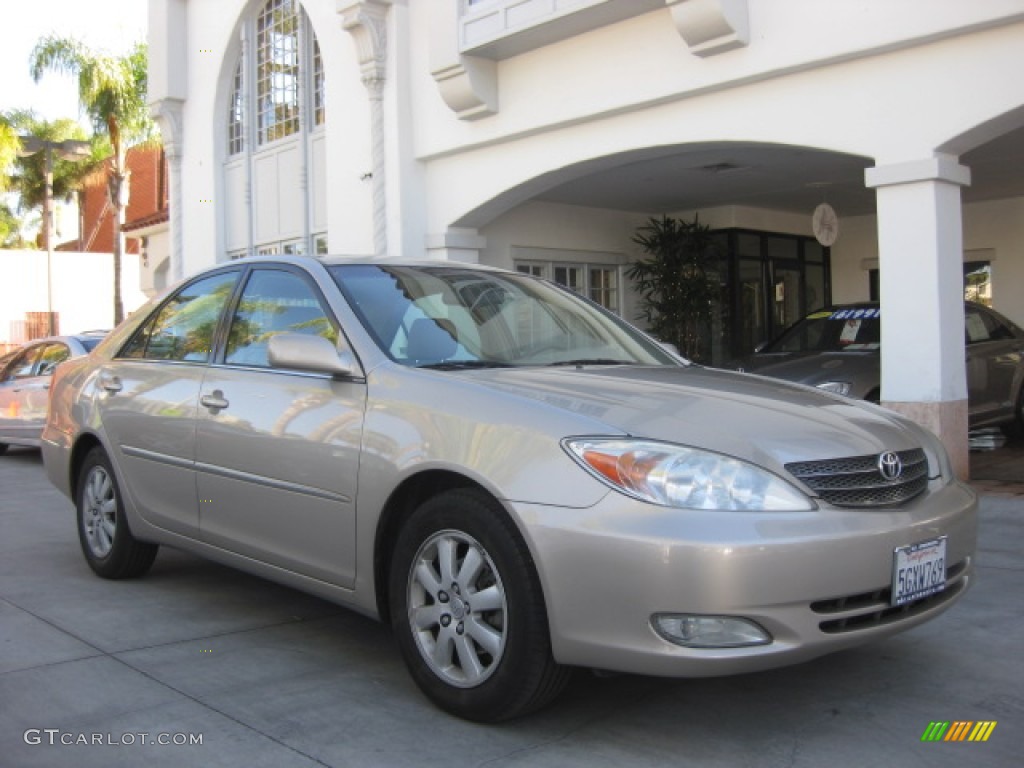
column 278, row 451
column 993, row 359
column 148, row 396
column 23, row 397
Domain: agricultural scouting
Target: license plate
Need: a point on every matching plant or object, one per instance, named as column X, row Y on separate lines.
column 918, row 570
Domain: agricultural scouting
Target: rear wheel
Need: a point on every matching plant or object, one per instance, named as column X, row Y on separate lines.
column 3, row 448
column 107, row 542
column 468, row 611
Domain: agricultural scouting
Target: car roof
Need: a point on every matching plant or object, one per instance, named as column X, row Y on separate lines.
column 346, row 260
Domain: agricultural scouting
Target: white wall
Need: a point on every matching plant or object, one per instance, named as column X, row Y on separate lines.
column 212, row 38
column 813, row 74
column 83, row 288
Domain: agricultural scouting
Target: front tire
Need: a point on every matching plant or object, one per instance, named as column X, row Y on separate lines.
column 107, row 542
column 468, row 611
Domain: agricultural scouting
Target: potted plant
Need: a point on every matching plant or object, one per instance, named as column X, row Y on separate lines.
column 676, row 290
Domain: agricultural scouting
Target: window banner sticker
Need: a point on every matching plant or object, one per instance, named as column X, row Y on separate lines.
column 856, row 314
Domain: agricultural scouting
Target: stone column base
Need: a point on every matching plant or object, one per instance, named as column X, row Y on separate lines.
column 948, row 420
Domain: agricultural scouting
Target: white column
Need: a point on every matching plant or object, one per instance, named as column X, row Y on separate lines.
column 366, row 21
column 920, row 242
column 169, row 115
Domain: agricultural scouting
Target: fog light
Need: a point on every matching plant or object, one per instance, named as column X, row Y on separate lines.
column 708, row 631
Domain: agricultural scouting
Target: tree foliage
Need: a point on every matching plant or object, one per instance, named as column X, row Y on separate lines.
column 676, row 291
column 10, row 229
column 111, row 89
column 9, row 146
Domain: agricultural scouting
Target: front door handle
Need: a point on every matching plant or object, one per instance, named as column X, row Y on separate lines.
column 215, row 401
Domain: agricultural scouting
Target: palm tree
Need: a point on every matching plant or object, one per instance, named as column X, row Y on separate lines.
column 112, row 92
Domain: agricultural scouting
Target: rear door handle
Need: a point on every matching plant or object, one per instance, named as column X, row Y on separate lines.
column 111, row 383
column 215, row 401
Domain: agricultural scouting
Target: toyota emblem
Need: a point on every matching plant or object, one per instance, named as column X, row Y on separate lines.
column 890, row 465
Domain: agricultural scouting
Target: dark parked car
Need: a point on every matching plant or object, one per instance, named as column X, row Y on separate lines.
column 837, row 349
column 25, row 377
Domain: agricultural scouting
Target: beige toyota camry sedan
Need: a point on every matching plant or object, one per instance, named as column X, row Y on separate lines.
column 519, row 482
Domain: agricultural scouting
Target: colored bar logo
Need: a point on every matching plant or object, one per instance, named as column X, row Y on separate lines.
column 959, row 730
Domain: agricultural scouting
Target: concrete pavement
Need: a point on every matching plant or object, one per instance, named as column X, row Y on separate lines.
column 266, row 676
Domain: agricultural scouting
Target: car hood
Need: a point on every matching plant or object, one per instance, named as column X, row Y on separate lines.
column 762, row 420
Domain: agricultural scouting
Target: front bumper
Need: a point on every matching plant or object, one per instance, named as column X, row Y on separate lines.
column 816, row 581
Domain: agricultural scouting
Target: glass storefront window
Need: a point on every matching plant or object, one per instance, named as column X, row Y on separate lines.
column 751, row 306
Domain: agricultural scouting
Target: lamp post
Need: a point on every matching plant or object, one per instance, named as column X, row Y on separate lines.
column 69, row 149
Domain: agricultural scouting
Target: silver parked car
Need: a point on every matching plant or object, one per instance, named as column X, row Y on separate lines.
column 518, row 481
column 837, row 349
column 25, row 375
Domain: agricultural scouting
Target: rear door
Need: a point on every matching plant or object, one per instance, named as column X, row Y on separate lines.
column 148, row 398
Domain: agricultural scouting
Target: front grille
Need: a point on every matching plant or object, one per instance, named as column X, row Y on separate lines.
column 872, row 609
column 858, row 482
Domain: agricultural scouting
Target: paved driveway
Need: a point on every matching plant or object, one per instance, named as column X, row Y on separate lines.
column 266, row 676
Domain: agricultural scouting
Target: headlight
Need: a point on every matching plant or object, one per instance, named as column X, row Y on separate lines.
column 679, row 476
column 839, row 387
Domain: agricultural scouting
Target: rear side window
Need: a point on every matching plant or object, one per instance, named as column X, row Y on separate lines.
column 975, row 327
column 183, row 328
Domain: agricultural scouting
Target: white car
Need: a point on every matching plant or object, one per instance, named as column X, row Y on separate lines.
column 25, row 376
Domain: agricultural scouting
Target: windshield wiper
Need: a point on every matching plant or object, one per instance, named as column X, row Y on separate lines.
column 461, row 365
column 592, row 361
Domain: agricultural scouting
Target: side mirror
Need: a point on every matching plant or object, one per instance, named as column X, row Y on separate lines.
column 304, row 352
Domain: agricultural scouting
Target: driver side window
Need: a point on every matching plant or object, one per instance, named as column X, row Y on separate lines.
column 274, row 301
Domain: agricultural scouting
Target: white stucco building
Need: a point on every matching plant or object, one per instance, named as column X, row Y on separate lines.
column 539, row 134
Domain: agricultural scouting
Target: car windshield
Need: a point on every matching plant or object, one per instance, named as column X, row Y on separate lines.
column 455, row 317
column 839, row 330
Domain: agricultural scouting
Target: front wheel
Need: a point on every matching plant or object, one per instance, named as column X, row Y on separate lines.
column 107, row 543
column 468, row 611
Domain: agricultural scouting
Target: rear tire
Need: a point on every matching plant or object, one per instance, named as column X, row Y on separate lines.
column 3, row 448
column 468, row 611
column 107, row 542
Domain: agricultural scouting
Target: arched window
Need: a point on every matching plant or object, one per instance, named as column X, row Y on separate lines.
column 275, row 117
column 277, row 70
